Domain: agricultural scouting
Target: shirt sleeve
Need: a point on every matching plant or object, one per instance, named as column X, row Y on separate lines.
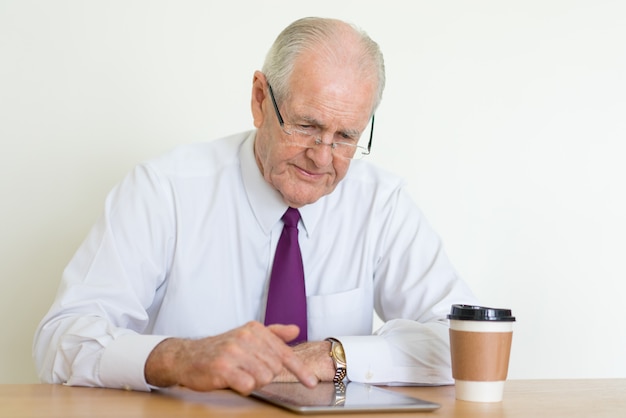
column 415, row 285
column 402, row 352
column 93, row 333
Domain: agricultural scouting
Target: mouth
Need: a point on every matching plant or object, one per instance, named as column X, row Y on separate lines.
column 308, row 175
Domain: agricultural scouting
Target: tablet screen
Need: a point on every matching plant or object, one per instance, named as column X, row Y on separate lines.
column 329, row 397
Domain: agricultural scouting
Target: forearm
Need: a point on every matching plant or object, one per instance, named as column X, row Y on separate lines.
column 161, row 369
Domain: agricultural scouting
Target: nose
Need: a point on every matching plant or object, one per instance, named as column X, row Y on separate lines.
column 321, row 153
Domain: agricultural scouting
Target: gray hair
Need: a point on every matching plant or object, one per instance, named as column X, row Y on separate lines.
column 310, row 34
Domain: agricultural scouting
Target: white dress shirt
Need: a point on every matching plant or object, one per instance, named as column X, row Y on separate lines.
column 185, row 249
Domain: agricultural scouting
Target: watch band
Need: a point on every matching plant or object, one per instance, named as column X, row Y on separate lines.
column 340, row 394
column 339, row 359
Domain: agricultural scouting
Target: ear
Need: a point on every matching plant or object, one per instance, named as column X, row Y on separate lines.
column 259, row 83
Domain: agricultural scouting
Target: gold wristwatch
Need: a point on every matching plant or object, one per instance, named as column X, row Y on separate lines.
column 339, row 358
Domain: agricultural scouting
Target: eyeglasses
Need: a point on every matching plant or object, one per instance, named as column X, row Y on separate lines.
column 308, row 136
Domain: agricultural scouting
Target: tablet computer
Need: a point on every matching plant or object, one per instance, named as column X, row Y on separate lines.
column 328, row 397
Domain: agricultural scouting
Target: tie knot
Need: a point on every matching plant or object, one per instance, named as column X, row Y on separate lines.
column 291, row 217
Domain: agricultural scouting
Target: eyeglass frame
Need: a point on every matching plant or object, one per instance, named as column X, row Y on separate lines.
column 318, row 141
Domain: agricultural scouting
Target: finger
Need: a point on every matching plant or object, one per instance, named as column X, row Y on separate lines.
column 301, row 371
column 274, row 353
column 261, row 351
column 242, row 382
column 285, row 332
column 244, row 365
column 289, row 359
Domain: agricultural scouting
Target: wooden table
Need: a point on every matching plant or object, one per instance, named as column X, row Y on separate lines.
column 522, row 398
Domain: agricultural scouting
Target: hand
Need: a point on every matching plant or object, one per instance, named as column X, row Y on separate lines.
column 243, row 359
column 316, row 356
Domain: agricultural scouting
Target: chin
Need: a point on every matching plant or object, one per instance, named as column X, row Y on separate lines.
column 298, row 201
column 298, row 194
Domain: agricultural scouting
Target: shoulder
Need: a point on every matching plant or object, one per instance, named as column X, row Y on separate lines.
column 364, row 175
column 200, row 159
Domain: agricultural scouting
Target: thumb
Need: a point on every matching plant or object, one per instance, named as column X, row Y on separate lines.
column 285, row 332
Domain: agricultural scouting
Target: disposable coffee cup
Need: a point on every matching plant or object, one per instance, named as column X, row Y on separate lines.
column 480, row 347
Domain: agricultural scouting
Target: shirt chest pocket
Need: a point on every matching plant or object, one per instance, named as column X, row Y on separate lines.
column 340, row 314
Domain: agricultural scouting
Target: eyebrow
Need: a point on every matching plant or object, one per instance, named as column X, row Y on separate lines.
column 352, row 133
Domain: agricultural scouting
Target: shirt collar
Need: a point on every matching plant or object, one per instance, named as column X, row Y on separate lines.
column 266, row 202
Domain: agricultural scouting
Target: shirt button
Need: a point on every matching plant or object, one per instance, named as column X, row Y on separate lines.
column 369, row 375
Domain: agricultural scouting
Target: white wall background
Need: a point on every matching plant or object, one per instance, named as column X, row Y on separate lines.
column 508, row 118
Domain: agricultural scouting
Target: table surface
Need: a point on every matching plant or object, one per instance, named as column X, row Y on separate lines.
column 595, row 398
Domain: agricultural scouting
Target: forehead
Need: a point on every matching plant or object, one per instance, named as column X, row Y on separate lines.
column 331, row 93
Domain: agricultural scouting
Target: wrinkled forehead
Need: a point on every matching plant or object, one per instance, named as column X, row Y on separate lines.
column 332, row 87
column 343, row 58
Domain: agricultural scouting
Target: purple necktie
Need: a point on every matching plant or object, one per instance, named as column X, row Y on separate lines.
column 286, row 298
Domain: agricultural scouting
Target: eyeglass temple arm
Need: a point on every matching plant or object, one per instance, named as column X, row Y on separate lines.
column 369, row 144
column 280, row 117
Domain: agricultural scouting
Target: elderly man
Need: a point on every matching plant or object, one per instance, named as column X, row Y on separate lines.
column 183, row 280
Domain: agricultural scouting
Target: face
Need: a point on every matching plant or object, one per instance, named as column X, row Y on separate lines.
column 334, row 99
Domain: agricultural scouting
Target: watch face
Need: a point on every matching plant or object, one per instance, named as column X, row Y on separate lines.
column 338, row 353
